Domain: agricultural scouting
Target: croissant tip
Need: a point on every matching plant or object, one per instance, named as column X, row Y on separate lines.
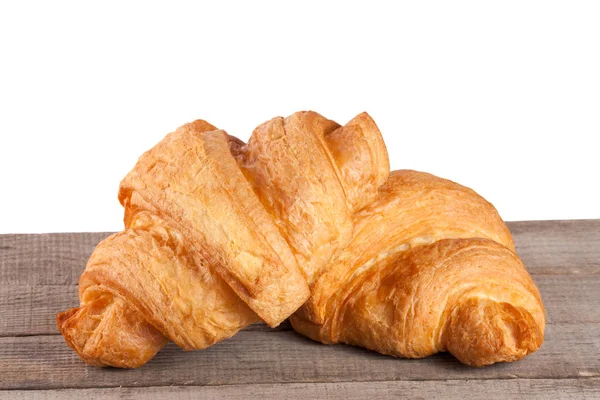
column 62, row 317
column 506, row 333
column 201, row 125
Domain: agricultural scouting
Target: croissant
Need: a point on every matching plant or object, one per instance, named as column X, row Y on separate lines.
column 220, row 234
column 430, row 267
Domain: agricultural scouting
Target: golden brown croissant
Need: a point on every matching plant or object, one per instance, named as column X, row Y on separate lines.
column 431, row 267
column 220, row 234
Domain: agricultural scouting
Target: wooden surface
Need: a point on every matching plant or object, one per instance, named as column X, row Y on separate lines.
column 38, row 278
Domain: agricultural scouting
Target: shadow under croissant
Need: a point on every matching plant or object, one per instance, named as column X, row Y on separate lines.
column 442, row 360
column 245, row 347
column 339, row 357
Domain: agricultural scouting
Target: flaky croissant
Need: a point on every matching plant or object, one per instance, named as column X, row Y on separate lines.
column 221, row 234
column 431, row 267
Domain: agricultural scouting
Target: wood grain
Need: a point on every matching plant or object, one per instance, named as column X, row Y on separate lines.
column 45, row 259
column 558, row 247
column 45, row 362
column 27, row 310
column 451, row 389
column 39, row 274
column 546, row 247
column 31, row 309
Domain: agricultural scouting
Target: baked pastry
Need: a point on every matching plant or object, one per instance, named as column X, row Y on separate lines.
column 220, row 234
column 431, row 267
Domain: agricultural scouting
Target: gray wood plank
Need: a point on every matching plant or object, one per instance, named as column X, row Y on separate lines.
column 451, row 389
column 38, row 276
column 45, row 362
column 45, row 259
column 558, row 247
column 30, row 310
column 547, row 247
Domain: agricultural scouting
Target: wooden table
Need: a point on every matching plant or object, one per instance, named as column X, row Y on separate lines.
column 38, row 278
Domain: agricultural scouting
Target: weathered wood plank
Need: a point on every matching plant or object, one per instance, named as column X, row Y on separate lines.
column 570, row 299
column 38, row 276
column 452, row 389
column 547, row 247
column 45, row 259
column 30, row 310
column 45, row 362
column 558, row 247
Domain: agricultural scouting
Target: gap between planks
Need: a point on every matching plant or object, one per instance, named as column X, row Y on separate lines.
column 451, row 389
column 586, row 383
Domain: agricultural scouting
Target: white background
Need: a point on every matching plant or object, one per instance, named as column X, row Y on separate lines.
column 503, row 96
